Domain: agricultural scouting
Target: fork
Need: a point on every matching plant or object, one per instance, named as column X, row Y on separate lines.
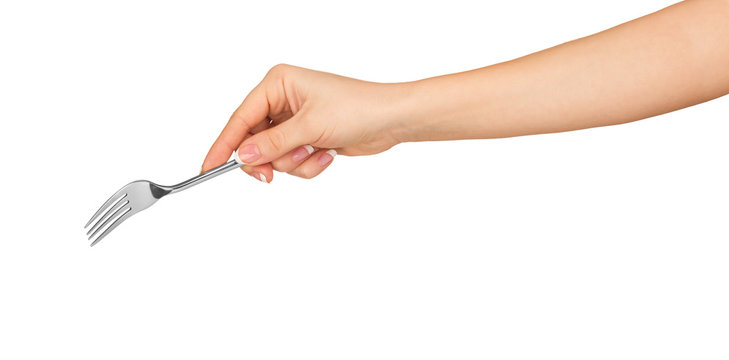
column 141, row 194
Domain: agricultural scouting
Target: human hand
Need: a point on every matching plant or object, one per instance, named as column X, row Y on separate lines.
column 296, row 120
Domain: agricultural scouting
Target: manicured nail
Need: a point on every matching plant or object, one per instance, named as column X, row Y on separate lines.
column 327, row 157
column 249, row 153
column 302, row 153
column 260, row 177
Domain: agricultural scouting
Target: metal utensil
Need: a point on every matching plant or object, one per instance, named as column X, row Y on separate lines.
column 141, row 194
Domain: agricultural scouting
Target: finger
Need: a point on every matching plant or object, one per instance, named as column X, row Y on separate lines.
column 315, row 164
column 263, row 172
column 275, row 142
column 263, row 125
column 251, row 112
column 293, row 159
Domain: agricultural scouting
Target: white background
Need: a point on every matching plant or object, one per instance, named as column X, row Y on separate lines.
column 598, row 244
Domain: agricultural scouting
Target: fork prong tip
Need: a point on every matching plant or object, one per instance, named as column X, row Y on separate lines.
column 111, row 201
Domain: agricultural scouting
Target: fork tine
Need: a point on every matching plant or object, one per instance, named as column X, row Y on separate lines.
column 125, row 215
column 120, row 203
column 111, row 200
column 108, row 220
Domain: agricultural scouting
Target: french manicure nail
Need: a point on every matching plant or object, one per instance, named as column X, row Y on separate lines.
column 262, row 178
column 249, row 153
column 302, row 153
column 327, row 157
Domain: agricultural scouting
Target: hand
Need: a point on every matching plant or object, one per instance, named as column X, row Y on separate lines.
column 296, row 120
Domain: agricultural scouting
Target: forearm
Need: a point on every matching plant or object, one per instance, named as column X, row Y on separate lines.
column 662, row 62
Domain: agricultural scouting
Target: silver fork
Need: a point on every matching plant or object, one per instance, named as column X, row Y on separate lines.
column 141, row 194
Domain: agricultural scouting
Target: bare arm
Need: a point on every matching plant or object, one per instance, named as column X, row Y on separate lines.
column 665, row 61
column 668, row 60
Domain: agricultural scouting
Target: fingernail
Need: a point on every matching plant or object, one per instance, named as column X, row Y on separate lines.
column 327, row 157
column 260, row 177
column 249, row 153
column 302, row 153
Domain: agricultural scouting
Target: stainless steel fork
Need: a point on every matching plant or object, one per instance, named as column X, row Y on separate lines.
column 139, row 195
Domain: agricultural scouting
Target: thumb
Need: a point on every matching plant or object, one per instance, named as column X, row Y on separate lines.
column 271, row 144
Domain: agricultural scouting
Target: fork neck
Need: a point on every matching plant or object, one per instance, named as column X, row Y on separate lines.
column 222, row 169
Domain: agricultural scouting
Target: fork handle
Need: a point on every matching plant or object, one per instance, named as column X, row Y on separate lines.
column 220, row 170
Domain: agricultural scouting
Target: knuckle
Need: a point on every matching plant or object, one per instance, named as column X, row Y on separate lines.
column 277, row 139
column 312, row 129
column 323, row 138
column 308, row 124
column 282, row 166
column 278, row 70
column 307, row 174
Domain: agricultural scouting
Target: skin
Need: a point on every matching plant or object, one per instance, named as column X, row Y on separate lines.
column 665, row 61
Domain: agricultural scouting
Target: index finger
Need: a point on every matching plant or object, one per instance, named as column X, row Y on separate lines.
column 252, row 111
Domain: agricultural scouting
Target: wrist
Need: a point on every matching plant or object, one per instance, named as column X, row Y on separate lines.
column 434, row 109
column 408, row 110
